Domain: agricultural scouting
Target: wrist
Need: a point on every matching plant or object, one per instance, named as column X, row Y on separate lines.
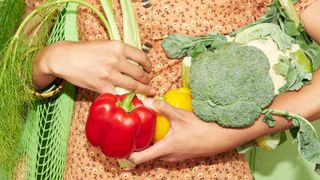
column 42, row 62
column 42, row 73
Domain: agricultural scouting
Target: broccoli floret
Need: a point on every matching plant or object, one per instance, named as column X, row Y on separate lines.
column 231, row 85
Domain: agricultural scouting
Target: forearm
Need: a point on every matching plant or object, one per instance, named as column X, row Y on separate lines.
column 305, row 102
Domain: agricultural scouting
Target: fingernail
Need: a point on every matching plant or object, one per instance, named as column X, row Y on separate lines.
column 148, row 102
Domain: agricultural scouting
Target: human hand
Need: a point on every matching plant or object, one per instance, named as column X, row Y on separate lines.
column 188, row 137
column 95, row 65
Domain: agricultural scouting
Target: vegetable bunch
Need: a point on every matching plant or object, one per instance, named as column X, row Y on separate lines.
column 234, row 78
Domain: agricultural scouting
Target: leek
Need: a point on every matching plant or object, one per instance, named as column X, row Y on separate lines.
column 108, row 10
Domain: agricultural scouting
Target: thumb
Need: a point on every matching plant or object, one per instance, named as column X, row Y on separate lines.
column 153, row 152
column 161, row 107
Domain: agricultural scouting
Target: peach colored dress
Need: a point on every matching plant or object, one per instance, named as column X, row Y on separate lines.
column 161, row 17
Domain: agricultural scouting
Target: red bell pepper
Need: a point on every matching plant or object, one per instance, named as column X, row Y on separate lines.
column 120, row 125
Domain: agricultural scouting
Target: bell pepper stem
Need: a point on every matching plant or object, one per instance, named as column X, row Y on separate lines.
column 125, row 164
column 126, row 104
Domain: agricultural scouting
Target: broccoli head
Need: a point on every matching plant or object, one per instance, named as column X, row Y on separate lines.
column 231, row 85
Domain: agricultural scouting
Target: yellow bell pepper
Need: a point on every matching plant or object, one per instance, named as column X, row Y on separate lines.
column 179, row 98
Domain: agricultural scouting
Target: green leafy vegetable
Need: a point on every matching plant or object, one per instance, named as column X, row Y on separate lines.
column 308, row 144
column 108, row 10
column 312, row 50
column 178, row 45
column 264, row 30
column 15, row 97
column 296, row 71
column 231, row 85
column 10, row 14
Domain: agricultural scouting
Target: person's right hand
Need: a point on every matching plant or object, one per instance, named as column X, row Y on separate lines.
column 95, row 65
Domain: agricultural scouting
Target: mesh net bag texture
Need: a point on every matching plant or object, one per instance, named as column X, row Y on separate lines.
column 44, row 140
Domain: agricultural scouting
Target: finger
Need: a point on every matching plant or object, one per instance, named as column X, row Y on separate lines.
column 153, row 152
column 134, row 71
column 138, row 56
column 127, row 82
column 101, row 87
column 162, row 107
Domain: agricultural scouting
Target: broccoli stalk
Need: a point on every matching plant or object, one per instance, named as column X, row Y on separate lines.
column 185, row 71
column 271, row 142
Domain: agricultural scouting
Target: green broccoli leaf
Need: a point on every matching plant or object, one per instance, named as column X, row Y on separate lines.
column 294, row 132
column 305, row 134
column 268, row 119
column 197, row 50
column 178, row 46
column 293, row 72
column 312, row 50
column 271, row 16
column 175, row 45
column 317, row 169
column 264, row 30
column 282, row 67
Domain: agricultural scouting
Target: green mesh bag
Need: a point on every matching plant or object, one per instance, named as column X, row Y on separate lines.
column 44, row 140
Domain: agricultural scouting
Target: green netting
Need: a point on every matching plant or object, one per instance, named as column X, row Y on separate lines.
column 44, row 140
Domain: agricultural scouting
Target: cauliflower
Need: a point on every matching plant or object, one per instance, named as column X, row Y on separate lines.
column 270, row 49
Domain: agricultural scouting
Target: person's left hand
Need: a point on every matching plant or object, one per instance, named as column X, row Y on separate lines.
column 188, row 137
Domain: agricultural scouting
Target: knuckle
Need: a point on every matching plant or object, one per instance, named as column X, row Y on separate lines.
column 132, row 84
column 114, row 61
column 105, row 74
column 159, row 104
column 141, row 75
column 149, row 65
column 145, row 57
column 96, row 86
column 142, row 88
column 118, row 46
